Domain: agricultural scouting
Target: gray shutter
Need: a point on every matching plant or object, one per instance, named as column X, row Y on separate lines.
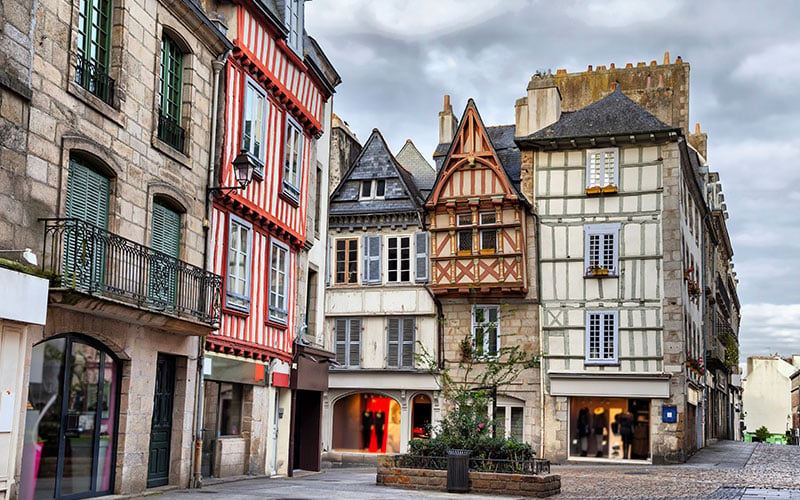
column 87, row 201
column 372, row 258
column 421, row 256
column 392, row 357
column 354, row 348
column 341, row 341
column 408, row 343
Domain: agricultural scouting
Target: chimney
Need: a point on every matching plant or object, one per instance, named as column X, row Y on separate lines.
column 543, row 105
column 448, row 123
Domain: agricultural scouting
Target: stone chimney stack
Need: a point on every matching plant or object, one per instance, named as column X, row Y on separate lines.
column 541, row 107
column 448, row 123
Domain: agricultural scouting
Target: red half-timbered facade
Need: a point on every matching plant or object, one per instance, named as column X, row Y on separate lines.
column 477, row 219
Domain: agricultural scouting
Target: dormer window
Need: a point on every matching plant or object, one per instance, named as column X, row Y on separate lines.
column 294, row 23
column 374, row 189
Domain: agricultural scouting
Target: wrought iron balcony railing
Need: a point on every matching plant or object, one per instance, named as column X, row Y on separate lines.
column 170, row 131
column 91, row 77
column 87, row 258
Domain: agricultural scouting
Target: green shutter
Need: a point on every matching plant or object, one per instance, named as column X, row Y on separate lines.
column 87, row 201
column 165, row 240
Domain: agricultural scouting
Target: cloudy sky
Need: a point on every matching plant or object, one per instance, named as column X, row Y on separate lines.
column 397, row 58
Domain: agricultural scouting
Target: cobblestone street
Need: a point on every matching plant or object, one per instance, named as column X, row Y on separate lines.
column 725, row 470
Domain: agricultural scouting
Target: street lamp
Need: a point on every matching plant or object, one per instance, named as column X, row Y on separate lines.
column 242, row 169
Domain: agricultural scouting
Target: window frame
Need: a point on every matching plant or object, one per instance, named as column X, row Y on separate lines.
column 252, row 90
column 603, row 340
column 464, row 220
column 293, row 17
column 486, row 231
column 346, row 262
column 275, row 313
column 373, row 185
column 485, row 349
column 292, row 150
column 95, row 23
column 229, row 295
column 398, row 259
column 401, row 342
column 603, row 166
column 170, row 98
column 605, row 261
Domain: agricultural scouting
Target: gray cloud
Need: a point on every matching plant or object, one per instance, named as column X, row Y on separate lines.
column 398, row 57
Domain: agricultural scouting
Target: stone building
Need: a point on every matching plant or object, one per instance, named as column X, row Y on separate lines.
column 108, row 167
column 380, row 313
column 484, row 263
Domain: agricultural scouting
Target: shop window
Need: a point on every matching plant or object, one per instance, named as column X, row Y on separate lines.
column 366, row 422
column 603, row 427
column 230, row 409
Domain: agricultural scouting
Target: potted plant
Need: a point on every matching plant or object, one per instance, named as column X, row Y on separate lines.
column 693, row 289
column 596, row 270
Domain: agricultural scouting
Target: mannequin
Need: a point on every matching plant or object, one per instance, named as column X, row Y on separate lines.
column 599, row 423
column 625, row 423
column 366, row 429
column 583, row 430
column 380, row 423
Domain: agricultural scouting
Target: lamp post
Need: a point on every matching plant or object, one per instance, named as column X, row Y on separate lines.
column 242, row 169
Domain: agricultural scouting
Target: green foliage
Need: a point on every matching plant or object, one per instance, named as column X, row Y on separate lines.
column 731, row 350
column 762, row 433
column 482, row 446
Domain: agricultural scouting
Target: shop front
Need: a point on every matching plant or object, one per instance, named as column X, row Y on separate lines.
column 366, row 422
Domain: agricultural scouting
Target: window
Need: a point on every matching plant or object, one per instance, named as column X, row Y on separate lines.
column 374, row 189
column 401, row 343
column 294, row 24
column 488, row 236
column 510, row 421
column 464, row 235
column 421, row 257
column 347, row 261
column 93, row 47
column 292, row 160
column 254, row 112
column 600, row 249
column 318, row 203
column 169, row 107
column 601, row 167
column 485, row 331
column 237, row 283
column 399, row 259
column 372, row 259
column 279, row 283
column 348, row 342
column 602, row 337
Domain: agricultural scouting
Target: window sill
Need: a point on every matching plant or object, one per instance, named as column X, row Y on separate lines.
column 488, row 251
column 94, row 102
column 599, row 276
column 276, row 324
column 600, row 362
column 464, row 253
column 226, row 309
column 288, row 194
column 171, row 152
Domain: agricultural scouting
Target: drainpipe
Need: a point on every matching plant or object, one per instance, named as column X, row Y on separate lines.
column 197, row 477
column 542, row 399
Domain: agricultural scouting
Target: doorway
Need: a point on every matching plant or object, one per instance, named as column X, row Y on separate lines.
column 161, row 423
column 308, row 404
column 70, row 443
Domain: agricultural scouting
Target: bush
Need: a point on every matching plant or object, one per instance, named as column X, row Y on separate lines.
column 482, row 447
column 762, row 433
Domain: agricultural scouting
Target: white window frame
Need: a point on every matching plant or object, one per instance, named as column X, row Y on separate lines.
column 507, row 410
column 292, row 159
column 486, row 349
column 398, row 259
column 608, row 175
column 293, row 16
column 602, row 338
column 253, row 92
column 278, row 298
column 401, row 341
column 595, row 239
column 373, row 189
column 345, row 359
column 234, row 300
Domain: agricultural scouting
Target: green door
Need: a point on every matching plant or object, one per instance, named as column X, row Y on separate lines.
column 165, row 241
column 84, row 252
column 161, row 426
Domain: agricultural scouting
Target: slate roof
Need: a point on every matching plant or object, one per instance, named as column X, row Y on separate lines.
column 615, row 114
column 375, row 161
column 422, row 171
column 502, row 137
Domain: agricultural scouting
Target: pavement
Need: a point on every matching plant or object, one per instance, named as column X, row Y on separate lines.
column 723, row 470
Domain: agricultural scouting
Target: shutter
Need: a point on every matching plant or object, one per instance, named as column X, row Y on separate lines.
column 421, row 257
column 341, row 341
column 372, row 258
column 165, row 239
column 393, row 354
column 87, row 201
column 354, row 348
column 408, row 343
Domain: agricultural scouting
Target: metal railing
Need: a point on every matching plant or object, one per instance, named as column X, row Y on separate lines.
column 90, row 259
column 91, row 77
column 170, row 131
column 530, row 467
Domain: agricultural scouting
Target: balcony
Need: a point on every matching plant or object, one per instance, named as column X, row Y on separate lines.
column 170, row 131
column 92, row 77
column 88, row 259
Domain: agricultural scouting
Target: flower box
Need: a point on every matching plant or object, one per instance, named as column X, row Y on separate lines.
column 595, row 270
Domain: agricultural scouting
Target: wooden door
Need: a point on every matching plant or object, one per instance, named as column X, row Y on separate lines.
column 161, row 426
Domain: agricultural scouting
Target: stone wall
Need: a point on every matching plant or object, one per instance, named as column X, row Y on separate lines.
column 488, row 483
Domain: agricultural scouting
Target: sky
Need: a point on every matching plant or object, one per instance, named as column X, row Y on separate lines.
column 397, row 59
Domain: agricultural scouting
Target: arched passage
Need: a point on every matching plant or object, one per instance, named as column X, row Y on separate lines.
column 366, row 422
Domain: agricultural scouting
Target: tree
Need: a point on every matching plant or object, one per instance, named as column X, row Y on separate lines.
column 762, row 433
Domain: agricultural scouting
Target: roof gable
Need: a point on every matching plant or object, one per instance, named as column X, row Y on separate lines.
column 422, row 171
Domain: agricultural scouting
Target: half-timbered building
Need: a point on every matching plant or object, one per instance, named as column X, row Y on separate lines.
column 380, row 314
column 622, row 218
column 279, row 88
column 483, row 259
